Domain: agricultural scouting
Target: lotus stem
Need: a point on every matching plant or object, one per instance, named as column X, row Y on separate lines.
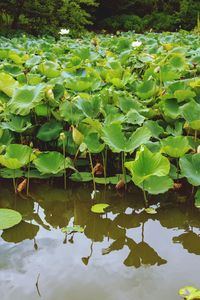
column 104, row 167
column 65, row 176
column 92, row 169
column 177, row 168
column 195, row 135
column 14, row 182
column 145, row 197
column 28, row 177
column 123, row 168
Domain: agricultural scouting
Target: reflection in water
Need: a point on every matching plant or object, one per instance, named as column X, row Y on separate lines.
column 190, row 242
column 50, row 207
column 123, row 240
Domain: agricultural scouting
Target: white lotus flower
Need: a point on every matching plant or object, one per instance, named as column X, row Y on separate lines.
column 64, row 31
column 136, row 44
column 198, row 149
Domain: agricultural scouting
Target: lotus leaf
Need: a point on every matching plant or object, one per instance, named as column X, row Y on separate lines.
column 16, row 156
column 190, row 168
column 17, row 124
column 49, row 131
column 147, row 164
column 175, row 146
column 191, row 113
column 7, row 84
column 147, row 89
column 51, row 163
column 99, row 208
column 25, row 98
column 9, row 218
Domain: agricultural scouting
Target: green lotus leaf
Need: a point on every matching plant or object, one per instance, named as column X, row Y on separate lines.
column 133, row 117
column 83, row 84
column 183, row 95
column 5, row 137
column 93, row 144
column 112, row 180
column 42, row 110
column 81, row 177
column 176, row 129
column 34, row 79
column 197, row 198
column 7, row 84
column 189, row 293
column 99, row 208
column 90, row 107
column 147, row 164
column 114, row 137
column 17, row 124
column 141, row 136
column 191, row 113
column 168, row 73
column 34, row 60
column 157, row 185
column 177, row 61
column 175, row 146
column 49, row 69
column 25, row 98
column 147, row 89
column 151, row 211
column 49, row 131
column 16, row 156
column 9, row 218
column 51, row 162
column 8, row 173
column 75, row 228
column 170, row 108
column 155, row 129
column 71, row 113
column 190, row 168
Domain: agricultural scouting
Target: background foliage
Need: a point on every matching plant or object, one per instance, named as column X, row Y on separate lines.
column 47, row 16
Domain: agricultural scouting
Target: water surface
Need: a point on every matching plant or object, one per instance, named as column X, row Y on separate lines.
column 123, row 254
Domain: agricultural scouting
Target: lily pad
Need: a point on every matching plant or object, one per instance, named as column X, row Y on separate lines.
column 75, row 228
column 99, row 208
column 9, row 218
column 151, row 211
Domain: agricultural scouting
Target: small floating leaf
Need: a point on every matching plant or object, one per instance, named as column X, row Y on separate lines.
column 189, row 293
column 99, row 208
column 75, row 228
column 150, row 211
column 9, row 218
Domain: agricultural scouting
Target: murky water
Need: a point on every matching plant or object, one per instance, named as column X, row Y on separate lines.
column 124, row 254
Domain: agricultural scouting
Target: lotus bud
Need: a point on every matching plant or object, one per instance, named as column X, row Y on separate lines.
column 77, row 136
column 31, row 144
column 36, row 151
column 157, row 70
column 198, row 149
column 49, row 94
column 62, row 136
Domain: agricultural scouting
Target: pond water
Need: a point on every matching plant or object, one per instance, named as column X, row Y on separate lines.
column 123, row 254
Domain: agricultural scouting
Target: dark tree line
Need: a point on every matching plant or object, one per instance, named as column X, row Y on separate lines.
column 46, row 16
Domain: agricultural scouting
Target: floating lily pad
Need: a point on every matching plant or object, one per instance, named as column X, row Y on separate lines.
column 150, row 211
column 75, row 228
column 99, row 208
column 9, row 218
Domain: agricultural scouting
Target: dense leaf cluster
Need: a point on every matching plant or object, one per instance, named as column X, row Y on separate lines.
column 99, row 105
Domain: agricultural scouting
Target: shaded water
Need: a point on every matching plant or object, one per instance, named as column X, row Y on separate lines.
column 123, row 254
